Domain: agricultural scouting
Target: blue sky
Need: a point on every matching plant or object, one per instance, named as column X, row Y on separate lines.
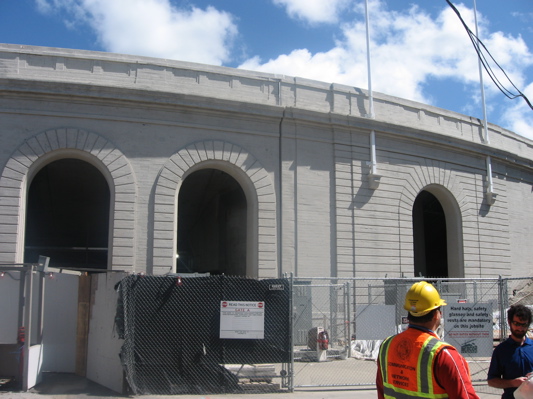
column 419, row 49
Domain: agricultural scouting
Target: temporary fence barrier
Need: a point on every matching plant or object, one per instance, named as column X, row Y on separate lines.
column 218, row 334
column 204, row 334
column 311, row 332
column 21, row 333
column 358, row 313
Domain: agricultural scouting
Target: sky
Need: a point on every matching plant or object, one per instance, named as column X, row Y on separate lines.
column 419, row 50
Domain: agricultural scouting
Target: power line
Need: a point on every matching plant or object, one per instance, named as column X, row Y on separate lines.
column 481, row 49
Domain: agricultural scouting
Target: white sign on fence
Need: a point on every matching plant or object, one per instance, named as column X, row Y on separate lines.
column 242, row 320
column 468, row 327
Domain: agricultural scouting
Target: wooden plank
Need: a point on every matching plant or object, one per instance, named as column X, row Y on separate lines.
column 82, row 335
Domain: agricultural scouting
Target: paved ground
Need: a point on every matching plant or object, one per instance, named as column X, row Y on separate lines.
column 69, row 386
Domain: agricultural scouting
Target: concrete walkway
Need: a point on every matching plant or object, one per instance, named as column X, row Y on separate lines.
column 69, row 386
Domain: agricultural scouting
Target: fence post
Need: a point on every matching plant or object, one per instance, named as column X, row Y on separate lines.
column 348, row 321
column 27, row 327
column 328, row 321
column 502, row 294
column 290, row 373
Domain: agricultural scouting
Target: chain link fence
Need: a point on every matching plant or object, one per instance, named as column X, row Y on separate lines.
column 204, row 335
column 194, row 334
column 359, row 313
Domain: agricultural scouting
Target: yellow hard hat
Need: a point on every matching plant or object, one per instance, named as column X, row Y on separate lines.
column 422, row 298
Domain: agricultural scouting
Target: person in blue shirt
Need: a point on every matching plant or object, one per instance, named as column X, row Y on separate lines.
column 512, row 359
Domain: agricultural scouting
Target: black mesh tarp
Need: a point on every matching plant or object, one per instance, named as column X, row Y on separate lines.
column 171, row 331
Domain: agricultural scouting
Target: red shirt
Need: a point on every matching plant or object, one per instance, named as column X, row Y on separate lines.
column 451, row 372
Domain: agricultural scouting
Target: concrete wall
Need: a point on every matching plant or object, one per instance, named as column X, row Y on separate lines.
column 300, row 150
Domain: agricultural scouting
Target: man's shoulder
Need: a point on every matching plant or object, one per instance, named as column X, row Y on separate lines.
column 507, row 342
column 529, row 342
column 445, row 346
column 505, row 346
column 448, row 345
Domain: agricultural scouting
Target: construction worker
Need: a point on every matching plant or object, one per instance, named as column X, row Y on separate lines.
column 416, row 363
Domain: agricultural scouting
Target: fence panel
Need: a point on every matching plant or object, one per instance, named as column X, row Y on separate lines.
column 204, row 335
column 359, row 313
column 321, row 332
column 11, row 316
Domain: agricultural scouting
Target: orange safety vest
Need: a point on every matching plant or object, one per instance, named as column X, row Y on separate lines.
column 406, row 362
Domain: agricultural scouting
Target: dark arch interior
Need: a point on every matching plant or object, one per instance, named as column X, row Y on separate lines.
column 211, row 224
column 67, row 216
column 430, row 243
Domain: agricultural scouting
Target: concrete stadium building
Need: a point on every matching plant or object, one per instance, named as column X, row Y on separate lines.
column 116, row 162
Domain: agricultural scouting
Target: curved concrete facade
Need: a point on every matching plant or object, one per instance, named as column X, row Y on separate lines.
column 322, row 200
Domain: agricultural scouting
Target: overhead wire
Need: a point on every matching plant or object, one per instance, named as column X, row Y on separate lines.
column 481, row 49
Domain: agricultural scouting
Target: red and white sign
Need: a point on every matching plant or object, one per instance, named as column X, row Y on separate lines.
column 242, row 320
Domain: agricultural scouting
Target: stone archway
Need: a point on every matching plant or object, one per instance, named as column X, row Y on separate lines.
column 69, row 143
column 212, row 224
column 448, row 191
column 67, row 215
column 430, row 240
column 258, row 189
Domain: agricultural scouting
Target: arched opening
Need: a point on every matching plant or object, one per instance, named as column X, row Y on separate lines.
column 212, row 220
column 67, row 217
column 430, row 237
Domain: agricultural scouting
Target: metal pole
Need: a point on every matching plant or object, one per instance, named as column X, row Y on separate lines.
column 291, row 334
column 349, row 320
column 27, row 327
column 490, row 187
column 21, row 336
column 484, row 106
column 373, row 163
column 42, row 278
column 503, row 305
column 369, row 66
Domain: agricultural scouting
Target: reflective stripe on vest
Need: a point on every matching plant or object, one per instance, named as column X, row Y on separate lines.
column 424, row 372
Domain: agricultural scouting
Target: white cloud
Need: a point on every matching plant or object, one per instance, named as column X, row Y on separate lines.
column 519, row 116
column 155, row 28
column 43, row 6
column 314, row 11
column 74, row 7
column 407, row 48
column 326, row 66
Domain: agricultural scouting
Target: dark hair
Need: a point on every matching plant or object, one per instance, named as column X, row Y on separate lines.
column 422, row 319
column 520, row 311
